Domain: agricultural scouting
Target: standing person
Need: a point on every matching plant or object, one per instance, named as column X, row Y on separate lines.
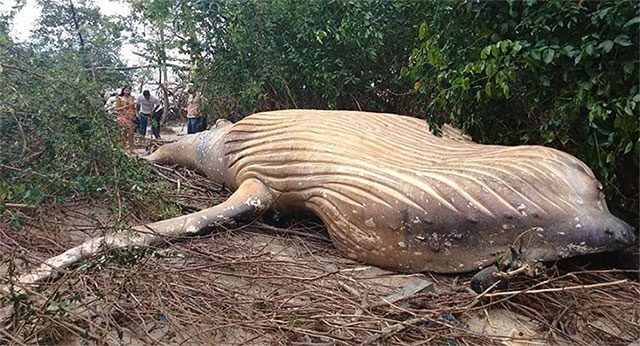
column 146, row 105
column 194, row 118
column 103, row 98
column 125, row 107
column 155, row 122
column 110, row 103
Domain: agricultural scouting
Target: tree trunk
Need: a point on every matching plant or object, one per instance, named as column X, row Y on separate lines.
column 164, row 77
column 83, row 51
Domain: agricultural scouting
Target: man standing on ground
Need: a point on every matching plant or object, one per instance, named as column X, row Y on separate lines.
column 195, row 120
column 146, row 104
column 155, row 122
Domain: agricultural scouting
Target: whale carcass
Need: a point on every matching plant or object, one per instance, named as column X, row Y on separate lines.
column 390, row 192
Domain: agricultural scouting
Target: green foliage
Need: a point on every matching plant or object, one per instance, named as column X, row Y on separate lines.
column 337, row 54
column 56, row 141
column 564, row 73
column 79, row 27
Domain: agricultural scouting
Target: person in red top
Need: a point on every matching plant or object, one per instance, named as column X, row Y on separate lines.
column 126, row 109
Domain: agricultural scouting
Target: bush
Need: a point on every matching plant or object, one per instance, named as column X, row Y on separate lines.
column 268, row 54
column 56, row 140
column 563, row 73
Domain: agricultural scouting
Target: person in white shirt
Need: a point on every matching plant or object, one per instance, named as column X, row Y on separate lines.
column 110, row 104
column 147, row 105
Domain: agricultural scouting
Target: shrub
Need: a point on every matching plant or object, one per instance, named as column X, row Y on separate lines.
column 563, row 73
column 56, row 140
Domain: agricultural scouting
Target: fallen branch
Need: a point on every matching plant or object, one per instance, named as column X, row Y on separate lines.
column 19, row 206
column 22, row 69
column 150, row 58
column 557, row 289
column 122, row 68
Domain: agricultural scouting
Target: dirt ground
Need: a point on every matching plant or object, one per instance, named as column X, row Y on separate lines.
column 280, row 282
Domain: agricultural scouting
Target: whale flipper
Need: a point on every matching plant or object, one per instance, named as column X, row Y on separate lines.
column 251, row 196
